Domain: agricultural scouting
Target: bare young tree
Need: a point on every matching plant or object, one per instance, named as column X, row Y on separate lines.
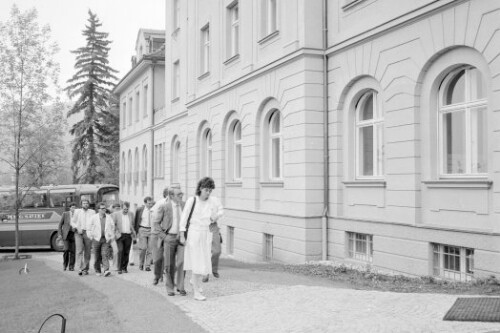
column 27, row 70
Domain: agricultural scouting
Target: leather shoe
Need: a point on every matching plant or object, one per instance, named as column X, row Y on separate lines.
column 182, row 292
column 216, row 275
column 71, row 269
column 155, row 282
column 205, row 279
column 170, row 293
column 124, row 271
column 148, row 269
column 141, row 268
column 119, row 272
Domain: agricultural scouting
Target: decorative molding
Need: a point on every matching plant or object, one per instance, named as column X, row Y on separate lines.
column 348, row 4
column 204, row 75
column 267, row 38
column 232, row 59
column 275, row 183
column 366, row 183
column 459, row 183
column 234, row 184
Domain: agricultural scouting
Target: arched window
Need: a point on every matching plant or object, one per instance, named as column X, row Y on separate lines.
column 124, row 170
column 275, row 146
column 129, row 171
column 136, row 168
column 206, row 153
column 462, row 123
column 235, row 150
column 369, row 136
column 175, row 160
column 144, row 174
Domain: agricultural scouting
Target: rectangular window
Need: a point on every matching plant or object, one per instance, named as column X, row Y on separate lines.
column 130, row 111
column 176, row 80
column 124, row 114
column 268, row 247
column 360, row 246
column 269, row 17
column 176, row 13
column 205, row 50
column 145, row 101
column 230, row 240
column 233, row 30
column 137, row 110
column 453, row 262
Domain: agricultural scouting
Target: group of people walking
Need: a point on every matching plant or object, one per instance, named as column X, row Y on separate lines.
column 174, row 237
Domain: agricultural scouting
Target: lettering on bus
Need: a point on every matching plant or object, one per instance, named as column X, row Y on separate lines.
column 31, row 216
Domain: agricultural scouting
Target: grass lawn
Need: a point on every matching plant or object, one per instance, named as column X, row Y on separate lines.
column 26, row 300
column 370, row 279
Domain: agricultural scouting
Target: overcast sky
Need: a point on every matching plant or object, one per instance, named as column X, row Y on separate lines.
column 122, row 19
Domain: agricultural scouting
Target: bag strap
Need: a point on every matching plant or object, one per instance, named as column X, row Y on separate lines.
column 190, row 214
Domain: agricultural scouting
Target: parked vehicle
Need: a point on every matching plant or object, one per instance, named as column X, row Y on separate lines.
column 42, row 209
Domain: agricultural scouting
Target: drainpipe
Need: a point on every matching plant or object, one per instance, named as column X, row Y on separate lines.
column 326, row 173
column 152, row 150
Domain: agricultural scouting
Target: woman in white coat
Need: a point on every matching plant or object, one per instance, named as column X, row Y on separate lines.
column 197, row 254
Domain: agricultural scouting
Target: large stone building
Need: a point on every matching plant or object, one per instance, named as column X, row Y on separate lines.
column 142, row 101
column 365, row 131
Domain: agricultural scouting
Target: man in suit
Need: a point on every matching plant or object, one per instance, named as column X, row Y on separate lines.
column 143, row 222
column 124, row 234
column 102, row 232
column 68, row 236
column 81, row 223
column 158, row 247
column 166, row 224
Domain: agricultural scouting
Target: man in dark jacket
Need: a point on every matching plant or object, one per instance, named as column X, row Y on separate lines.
column 68, row 236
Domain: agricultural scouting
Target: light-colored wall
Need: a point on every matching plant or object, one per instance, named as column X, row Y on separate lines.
column 405, row 64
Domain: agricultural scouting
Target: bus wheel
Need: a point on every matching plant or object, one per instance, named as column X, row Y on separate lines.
column 57, row 243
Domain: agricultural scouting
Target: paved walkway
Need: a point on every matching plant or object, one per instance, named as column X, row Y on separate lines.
column 244, row 300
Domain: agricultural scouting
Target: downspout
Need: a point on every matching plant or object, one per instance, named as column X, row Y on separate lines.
column 151, row 168
column 326, row 173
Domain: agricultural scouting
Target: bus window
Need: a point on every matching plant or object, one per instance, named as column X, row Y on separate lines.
column 7, row 200
column 36, row 199
column 61, row 198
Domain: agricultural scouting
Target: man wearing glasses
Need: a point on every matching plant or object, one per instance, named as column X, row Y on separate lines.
column 102, row 232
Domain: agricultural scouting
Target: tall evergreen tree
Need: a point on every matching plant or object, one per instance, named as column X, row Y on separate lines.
column 92, row 83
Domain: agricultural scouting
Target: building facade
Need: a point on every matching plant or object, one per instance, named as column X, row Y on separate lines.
column 142, row 100
column 364, row 131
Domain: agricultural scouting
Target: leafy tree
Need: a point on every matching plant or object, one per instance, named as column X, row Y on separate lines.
column 92, row 83
column 27, row 70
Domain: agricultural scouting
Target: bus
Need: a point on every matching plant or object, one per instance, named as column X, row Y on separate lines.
column 41, row 211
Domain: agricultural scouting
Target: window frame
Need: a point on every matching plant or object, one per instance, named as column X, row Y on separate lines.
column 356, row 238
column 175, row 161
column 233, row 30
column 465, row 257
column 235, row 151
column 378, row 135
column 466, row 107
column 145, row 100
column 272, row 136
column 176, row 80
column 176, row 15
column 205, row 47
column 206, row 152
column 269, row 12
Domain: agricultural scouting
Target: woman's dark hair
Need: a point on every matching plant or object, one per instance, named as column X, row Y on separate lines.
column 205, row 182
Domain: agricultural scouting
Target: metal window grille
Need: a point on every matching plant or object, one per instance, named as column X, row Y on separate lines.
column 360, row 246
column 268, row 247
column 453, row 262
column 230, row 240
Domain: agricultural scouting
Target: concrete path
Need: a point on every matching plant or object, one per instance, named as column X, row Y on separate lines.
column 245, row 300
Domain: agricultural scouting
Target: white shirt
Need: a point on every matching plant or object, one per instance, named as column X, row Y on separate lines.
column 147, row 216
column 81, row 220
column 125, row 224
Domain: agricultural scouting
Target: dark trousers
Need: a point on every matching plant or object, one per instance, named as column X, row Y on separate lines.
column 124, row 244
column 100, row 249
column 216, row 250
column 69, row 250
column 157, row 256
column 173, row 250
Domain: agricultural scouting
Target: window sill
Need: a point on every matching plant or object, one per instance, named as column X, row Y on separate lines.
column 366, row 183
column 234, row 184
column 268, row 37
column 273, row 183
column 459, row 183
column 204, row 75
column 350, row 4
column 174, row 100
column 232, row 59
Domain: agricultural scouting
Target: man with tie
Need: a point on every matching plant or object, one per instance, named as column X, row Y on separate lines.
column 166, row 226
column 124, row 234
column 81, row 222
column 67, row 235
column 143, row 223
